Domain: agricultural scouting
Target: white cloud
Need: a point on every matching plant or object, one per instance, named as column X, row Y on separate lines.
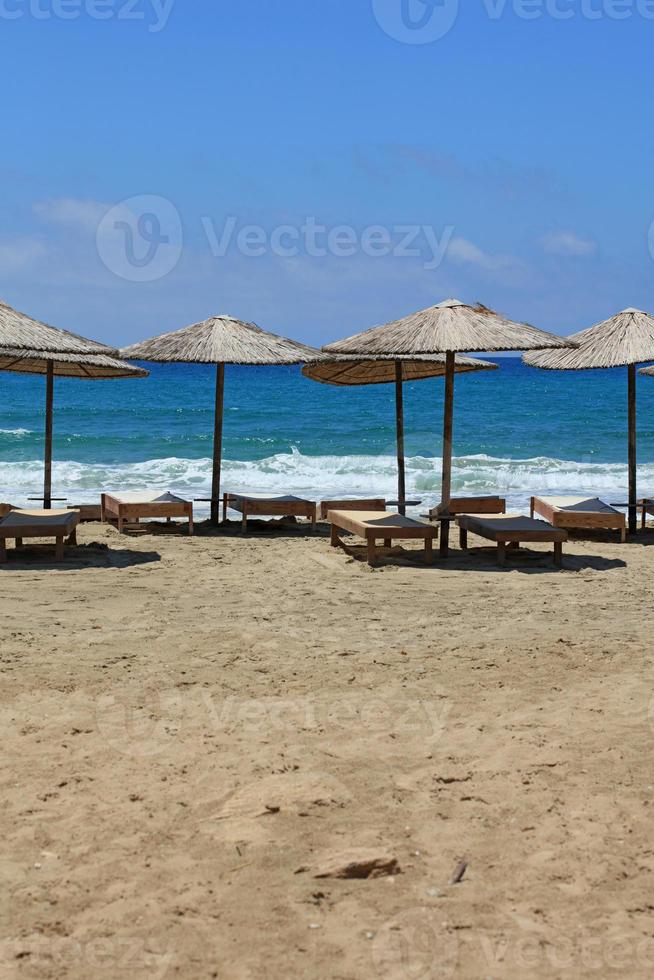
column 83, row 215
column 467, row 253
column 20, row 254
column 567, row 243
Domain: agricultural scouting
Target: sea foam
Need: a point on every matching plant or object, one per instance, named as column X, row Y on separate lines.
column 326, row 476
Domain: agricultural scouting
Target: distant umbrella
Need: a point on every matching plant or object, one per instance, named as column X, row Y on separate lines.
column 383, row 370
column 28, row 346
column 448, row 328
column 624, row 340
column 221, row 340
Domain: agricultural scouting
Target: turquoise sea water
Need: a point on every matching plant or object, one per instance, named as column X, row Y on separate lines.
column 517, row 431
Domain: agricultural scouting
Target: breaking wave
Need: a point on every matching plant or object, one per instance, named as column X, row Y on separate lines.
column 326, row 476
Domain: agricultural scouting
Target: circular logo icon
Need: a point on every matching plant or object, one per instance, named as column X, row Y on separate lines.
column 416, row 945
column 416, row 21
column 141, row 238
column 140, row 724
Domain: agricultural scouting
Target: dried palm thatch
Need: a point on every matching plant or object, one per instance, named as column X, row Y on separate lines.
column 222, row 340
column 90, row 366
column 382, row 370
column 18, row 330
column 449, row 326
column 626, row 338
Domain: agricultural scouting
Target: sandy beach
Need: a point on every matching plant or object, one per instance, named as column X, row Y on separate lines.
column 195, row 729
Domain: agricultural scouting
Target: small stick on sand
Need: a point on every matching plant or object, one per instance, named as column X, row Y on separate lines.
column 459, row 872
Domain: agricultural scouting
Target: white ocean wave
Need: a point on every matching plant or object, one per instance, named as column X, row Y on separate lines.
column 16, row 432
column 320, row 477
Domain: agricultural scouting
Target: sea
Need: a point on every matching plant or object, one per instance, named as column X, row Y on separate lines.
column 517, row 431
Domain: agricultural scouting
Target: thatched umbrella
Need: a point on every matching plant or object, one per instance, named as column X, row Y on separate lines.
column 221, row 340
column 625, row 340
column 448, row 328
column 28, row 346
column 384, row 370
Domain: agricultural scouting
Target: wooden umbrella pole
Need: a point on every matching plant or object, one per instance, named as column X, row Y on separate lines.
column 399, row 418
column 49, row 400
column 446, row 487
column 217, row 444
column 633, row 477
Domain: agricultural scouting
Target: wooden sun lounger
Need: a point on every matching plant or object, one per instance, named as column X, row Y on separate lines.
column 375, row 503
column 511, row 530
column 378, row 524
column 580, row 512
column 260, row 505
column 131, row 506
column 57, row 524
column 446, row 514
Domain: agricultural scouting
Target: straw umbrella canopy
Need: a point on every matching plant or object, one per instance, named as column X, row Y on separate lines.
column 448, row 328
column 624, row 340
column 28, row 346
column 221, row 340
column 384, row 370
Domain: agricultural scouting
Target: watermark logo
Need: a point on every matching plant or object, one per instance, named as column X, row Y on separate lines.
column 418, row 944
column 416, row 21
column 111, row 956
column 427, row 21
column 317, row 240
column 153, row 13
column 141, row 238
column 145, row 726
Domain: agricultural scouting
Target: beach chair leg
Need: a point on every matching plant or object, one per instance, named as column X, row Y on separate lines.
column 334, row 538
column 121, row 522
column 501, row 553
column 3, row 549
column 463, row 539
column 72, row 537
column 103, row 510
column 59, row 548
column 388, row 543
column 224, row 508
column 314, row 519
column 444, row 547
column 623, row 533
column 558, row 554
column 244, row 521
column 644, row 518
column 429, row 551
column 190, row 524
column 19, row 542
column 531, row 509
column 372, row 551
column 514, row 545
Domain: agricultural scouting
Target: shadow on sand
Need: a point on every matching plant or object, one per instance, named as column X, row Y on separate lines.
column 94, row 555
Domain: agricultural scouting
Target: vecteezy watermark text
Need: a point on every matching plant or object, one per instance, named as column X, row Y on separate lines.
column 155, row 14
column 141, row 239
column 427, row 21
column 340, row 241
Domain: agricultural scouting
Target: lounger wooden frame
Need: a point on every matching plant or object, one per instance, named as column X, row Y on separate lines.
column 373, row 503
column 269, row 507
column 380, row 525
column 445, row 514
column 500, row 531
column 39, row 525
column 578, row 519
column 112, row 508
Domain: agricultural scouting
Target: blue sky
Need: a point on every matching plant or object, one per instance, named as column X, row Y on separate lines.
column 513, row 156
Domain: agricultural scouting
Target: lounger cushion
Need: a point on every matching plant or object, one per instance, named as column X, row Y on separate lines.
column 146, row 497
column 38, row 523
column 586, row 505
